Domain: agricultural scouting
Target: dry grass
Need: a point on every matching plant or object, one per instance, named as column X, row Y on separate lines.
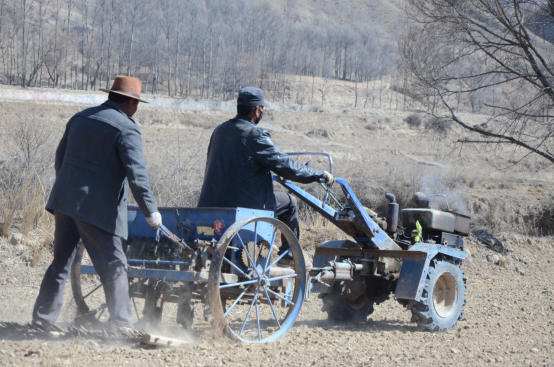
column 13, row 195
column 532, row 219
column 26, row 173
column 315, row 230
column 404, row 183
column 177, row 174
column 177, row 168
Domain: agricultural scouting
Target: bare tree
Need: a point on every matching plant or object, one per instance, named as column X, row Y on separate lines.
column 69, row 4
column 472, row 49
column 203, row 48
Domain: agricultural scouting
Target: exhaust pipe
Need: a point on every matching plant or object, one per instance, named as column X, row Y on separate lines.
column 392, row 214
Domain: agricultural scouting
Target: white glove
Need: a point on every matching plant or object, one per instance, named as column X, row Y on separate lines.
column 329, row 179
column 154, row 219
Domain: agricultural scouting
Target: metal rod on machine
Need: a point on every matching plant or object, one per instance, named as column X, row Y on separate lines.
column 338, row 270
column 279, row 272
column 314, row 190
column 348, row 252
column 157, row 262
column 236, row 267
column 174, row 238
column 92, row 291
column 327, row 189
column 278, row 295
column 330, row 192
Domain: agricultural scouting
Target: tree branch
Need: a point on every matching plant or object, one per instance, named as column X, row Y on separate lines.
column 507, row 138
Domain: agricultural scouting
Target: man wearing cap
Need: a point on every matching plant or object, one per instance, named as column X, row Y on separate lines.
column 241, row 157
column 98, row 158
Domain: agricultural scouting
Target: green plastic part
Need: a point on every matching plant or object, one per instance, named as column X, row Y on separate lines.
column 418, row 232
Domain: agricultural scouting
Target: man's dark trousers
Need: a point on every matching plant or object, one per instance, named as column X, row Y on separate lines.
column 109, row 260
column 286, row 210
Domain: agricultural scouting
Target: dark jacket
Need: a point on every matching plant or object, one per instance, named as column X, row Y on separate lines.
column 98, row 158
column 240, row 158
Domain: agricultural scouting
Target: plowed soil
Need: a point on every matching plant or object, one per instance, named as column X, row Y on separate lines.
column 508, row 320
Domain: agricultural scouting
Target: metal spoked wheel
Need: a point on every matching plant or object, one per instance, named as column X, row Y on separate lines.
column 264, row 302
column 87, row 291
column 90, row 299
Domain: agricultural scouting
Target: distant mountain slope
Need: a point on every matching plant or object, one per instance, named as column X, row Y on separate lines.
column 201, row 48
column 384, row 15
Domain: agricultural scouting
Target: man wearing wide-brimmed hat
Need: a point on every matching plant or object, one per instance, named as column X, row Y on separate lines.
column 97, row 160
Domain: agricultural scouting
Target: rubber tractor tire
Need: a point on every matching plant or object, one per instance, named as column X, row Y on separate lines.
column 442, row 299
column 348, row 302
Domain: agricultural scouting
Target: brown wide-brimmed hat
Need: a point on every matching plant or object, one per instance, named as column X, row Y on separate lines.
column 126, row 86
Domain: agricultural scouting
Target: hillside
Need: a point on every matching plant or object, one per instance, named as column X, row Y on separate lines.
column 381, row 15
column 200, row 49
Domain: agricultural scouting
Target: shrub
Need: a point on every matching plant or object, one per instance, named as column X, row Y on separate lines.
column 438, row 124
column 371, row 127
column 413, row 121
column 26, row 175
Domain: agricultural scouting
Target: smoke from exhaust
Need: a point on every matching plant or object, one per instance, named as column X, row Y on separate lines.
column 434, row 183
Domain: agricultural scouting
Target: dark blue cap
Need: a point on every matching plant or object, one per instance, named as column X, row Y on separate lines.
column 251, row 96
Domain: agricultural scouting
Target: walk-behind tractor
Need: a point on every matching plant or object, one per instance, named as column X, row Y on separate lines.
column 227, row 259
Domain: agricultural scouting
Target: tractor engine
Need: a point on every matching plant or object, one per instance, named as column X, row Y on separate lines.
column 440, row 226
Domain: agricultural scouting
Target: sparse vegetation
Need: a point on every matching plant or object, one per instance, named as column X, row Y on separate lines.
column 439, row 125
column 495, row 54
column 176, row 157
column 413, row 121
column 26, row 173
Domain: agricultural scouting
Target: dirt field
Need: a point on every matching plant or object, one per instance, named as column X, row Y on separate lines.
column 510, row 311
column 508, row 320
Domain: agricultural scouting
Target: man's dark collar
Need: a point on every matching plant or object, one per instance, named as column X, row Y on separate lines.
column 245, row 118
column 114, row 105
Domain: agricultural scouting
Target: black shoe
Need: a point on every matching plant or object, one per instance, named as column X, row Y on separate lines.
column 42, row 325
column 123, row 331
column 286, row 260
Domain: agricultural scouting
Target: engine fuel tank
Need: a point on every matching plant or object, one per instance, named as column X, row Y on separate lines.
column 437, row 220
column 429, row 219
